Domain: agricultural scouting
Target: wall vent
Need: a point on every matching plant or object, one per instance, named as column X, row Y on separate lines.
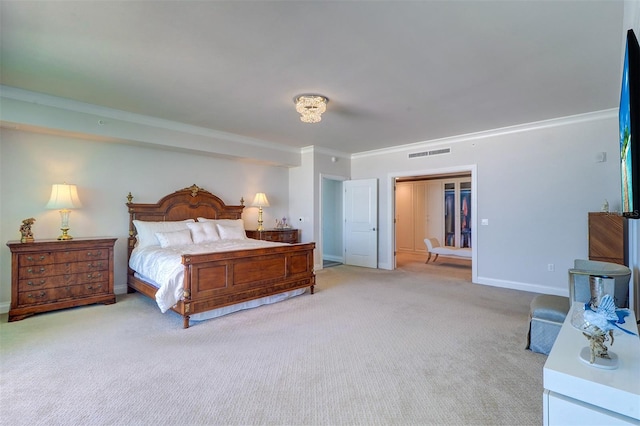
column 430, row 153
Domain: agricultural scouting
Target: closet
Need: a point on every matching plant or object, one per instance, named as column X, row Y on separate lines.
column 433, row 207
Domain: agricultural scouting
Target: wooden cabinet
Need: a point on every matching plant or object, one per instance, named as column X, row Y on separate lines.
column 606, row 237
column 287, row 235
column 50, row 274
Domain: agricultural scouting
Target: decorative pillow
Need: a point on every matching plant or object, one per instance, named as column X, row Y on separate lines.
column 203, row 232
column 146, row 231
column 238, row 222
column 231, row 232
column 204, row 219
column 174, row 238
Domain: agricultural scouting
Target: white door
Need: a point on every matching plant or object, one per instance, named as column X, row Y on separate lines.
column 404, row 216
column 361, row 222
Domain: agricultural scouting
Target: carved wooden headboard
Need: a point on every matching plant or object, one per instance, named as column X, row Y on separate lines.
column 187, row 203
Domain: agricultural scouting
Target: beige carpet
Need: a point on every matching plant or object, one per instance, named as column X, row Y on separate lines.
column 419, row 345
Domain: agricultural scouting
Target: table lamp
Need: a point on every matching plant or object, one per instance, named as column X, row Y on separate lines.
column 63, row 198
column 260, row 201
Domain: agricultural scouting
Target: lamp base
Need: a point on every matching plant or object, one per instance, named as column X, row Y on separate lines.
column 260, row 227
column 64, row 235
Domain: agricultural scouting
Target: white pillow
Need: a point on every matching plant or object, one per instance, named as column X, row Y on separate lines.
column 203, row 232
column 204, row 219
column 238, row 222
column 174, row 238
column 146, row 231
column 231, row 231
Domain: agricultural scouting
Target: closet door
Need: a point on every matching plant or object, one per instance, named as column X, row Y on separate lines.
column 457, row 213
column 465, row 214
column 435, row 211
column 404, row 216
column 450, row 215
column 420, row 216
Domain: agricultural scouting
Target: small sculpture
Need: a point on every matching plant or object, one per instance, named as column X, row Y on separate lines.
column 25, row 230
column 596, row 344
column 282, row 224
column 599, row 325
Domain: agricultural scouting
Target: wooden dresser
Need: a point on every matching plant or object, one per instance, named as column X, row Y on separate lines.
column 285, row 235
column 50, row 274
column 606, row 237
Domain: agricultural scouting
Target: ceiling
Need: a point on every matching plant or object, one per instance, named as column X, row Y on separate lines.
column 396, row 72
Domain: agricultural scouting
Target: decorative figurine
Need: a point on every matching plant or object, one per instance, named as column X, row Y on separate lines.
column 25, row 230
column 282, row 224
column 596, row 344
column 605, row 207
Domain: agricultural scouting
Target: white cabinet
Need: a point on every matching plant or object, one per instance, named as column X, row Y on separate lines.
column 576, row 393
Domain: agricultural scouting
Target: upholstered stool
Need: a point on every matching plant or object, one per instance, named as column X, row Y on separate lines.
column 547, row 314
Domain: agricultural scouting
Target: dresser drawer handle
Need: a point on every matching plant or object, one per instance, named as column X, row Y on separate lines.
column 91, row 276
column 41, row 257
column 98, row 253
column 31, row 283
column 95, row 265
column 37, row 296
column 39, row 271
column 91, row 287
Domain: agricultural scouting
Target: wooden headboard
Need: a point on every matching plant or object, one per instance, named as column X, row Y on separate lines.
column 187, row 203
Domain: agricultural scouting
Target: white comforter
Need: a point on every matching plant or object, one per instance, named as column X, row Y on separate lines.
column 163, row 267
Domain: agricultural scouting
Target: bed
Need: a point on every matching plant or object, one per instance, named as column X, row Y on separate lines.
column 212, row 280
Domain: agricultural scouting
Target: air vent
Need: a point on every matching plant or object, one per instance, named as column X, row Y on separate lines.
column 430, row 153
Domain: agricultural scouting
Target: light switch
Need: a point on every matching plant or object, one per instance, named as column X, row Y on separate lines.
column 485, row 221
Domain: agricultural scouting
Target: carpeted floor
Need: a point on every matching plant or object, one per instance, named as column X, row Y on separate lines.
column 419, row 345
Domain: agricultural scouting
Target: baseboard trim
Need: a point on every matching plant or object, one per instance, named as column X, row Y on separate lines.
column 530, row 287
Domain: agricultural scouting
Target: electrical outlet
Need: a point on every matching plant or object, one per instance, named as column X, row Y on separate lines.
column 551, row 267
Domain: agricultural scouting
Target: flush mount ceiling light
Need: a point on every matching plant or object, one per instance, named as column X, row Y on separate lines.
column 310, row 107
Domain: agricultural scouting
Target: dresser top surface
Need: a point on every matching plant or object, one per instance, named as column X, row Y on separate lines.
column 37, row 244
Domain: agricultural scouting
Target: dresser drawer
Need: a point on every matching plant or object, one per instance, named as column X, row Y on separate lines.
column 290, row 236
column 52, row 281
column 61, row 293
column 80, row 255
column 32, row 259
column 62, row 268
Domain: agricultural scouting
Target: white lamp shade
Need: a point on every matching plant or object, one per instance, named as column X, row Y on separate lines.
column 63, row 197
column 260, row 200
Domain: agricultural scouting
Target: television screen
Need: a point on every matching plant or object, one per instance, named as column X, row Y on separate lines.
column 629, row 116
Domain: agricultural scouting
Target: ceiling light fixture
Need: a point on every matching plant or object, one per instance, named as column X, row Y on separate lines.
column 310, row 107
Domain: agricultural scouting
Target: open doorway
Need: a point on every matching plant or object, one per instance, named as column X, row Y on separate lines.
column 331, row 221
column 419, row 211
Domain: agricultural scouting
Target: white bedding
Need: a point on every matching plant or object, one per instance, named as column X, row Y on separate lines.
column 163, row 267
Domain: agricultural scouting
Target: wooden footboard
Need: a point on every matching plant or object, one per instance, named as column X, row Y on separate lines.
column 220, row 279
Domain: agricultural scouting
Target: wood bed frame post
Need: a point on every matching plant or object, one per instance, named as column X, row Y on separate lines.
column 186, row 300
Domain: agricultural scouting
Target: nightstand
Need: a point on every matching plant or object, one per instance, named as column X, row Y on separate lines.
column 284, row 235
column 47, row 275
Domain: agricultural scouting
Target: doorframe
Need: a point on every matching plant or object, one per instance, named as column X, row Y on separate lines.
column 319, row 245
column 391, row 206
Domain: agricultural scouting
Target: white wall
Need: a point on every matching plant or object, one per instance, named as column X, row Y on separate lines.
column 305, row 188
column 104, row 173
column 535, row 185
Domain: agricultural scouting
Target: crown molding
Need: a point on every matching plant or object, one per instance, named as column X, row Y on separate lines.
column 538, row 125
column 114, row 114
